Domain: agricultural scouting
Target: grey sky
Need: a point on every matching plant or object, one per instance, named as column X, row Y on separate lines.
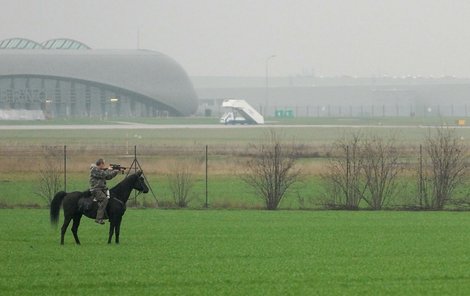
column 234, row 37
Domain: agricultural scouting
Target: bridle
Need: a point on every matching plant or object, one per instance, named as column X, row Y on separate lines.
column 139, row 192
column 136, row 193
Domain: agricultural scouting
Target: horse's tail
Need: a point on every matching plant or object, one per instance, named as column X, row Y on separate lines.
column 55, row 206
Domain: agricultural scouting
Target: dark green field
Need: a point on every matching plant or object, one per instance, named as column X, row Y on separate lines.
column 240, row 253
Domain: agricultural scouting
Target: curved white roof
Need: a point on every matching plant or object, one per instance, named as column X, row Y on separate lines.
column 147, row 73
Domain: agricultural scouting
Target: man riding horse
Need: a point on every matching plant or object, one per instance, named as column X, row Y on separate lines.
column 98, row 176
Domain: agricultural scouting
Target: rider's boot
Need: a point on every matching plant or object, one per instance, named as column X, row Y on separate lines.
column 100, row 212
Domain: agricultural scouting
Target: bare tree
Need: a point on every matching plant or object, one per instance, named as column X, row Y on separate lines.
column 50, row 175
column 344, row 180
column 272, row 170
column 381, row 167
column 447, row 167
column 181, row 182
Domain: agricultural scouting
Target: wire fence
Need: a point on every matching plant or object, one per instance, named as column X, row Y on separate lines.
column 73, row 163
column 216, row 170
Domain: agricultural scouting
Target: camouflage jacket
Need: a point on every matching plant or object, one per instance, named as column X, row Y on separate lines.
column 98, row 178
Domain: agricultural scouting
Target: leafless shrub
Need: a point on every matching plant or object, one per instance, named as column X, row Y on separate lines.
column 381, row 166
column 442, row 168
column 344, row 180
column 271, row 171
column 50, row 175
column 181, row 182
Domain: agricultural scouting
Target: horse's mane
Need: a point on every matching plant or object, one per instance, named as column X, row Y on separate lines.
column 124, row 184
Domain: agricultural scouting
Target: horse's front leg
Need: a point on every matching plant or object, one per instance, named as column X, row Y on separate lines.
column 111, row 230
column 118, row 229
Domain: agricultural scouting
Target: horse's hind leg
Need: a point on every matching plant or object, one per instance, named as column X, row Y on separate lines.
column 67, row 220
column 76, row 223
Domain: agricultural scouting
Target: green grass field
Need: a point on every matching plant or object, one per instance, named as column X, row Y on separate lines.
column 168, row 252
column 223, row 192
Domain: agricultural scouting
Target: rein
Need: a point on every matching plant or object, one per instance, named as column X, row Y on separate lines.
column 116, row 188
column 121, row 202
column 118, row 200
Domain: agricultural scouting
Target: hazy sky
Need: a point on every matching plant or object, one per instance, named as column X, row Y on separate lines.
column 234, row 37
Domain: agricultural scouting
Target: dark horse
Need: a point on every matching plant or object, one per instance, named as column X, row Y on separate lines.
column 78, row 203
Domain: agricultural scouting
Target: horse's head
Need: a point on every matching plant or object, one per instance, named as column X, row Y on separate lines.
column 140, row 184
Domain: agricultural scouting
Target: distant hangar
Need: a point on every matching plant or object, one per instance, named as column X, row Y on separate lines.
column 66, row 78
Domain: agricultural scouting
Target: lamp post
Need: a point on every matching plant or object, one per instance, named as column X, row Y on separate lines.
column 266, row 95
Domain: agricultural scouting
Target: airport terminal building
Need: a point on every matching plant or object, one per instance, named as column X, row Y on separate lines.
column 64, row 78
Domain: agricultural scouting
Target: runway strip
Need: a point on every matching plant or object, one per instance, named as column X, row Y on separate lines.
column 194, row 126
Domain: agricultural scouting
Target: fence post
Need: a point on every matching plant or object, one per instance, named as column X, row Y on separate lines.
column 65, row 168
column 421, row 183
column 135, row 171
column 207, row 204
column 347, row 173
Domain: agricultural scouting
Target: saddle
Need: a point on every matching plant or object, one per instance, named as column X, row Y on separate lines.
column 88, row 206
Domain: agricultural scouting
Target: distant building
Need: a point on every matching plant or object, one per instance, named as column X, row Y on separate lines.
column 65, row 78
column 342, row 96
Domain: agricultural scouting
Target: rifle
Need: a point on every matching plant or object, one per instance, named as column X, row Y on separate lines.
column 117, row 167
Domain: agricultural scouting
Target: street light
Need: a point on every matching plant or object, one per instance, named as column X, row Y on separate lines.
column 267, row 85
